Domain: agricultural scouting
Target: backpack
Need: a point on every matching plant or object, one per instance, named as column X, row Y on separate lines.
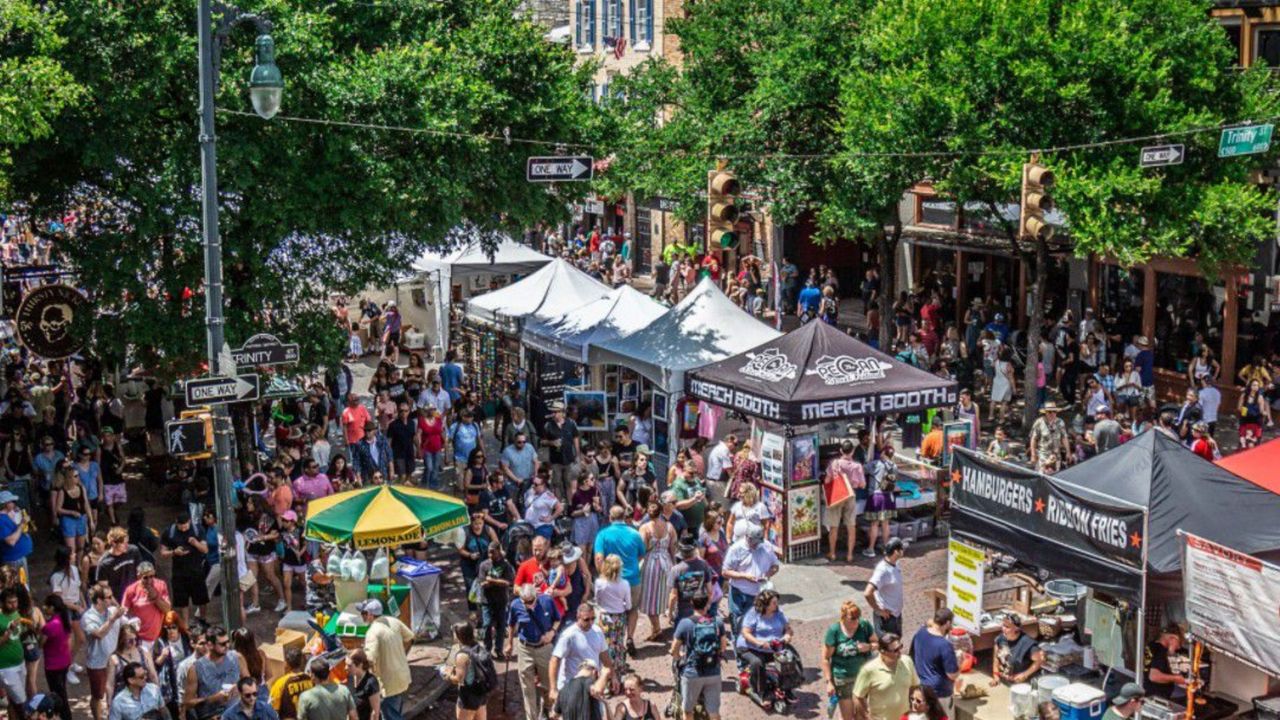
column 704, row 647
column 482, row 676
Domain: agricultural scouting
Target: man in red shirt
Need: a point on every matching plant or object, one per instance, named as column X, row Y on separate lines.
column 534, row 571
column 353, row 419
column 147, row 599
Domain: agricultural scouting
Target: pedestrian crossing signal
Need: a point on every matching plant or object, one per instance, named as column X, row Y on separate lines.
column 185, row 438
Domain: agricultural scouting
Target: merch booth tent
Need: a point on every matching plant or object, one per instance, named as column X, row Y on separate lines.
column 704, row 327
column 495, row 319
column 473, row 268
column 812, row 376
column 1111, row 523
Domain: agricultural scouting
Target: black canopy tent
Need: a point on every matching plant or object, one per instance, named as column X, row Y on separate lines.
column 1181, row 491
column 1112, row 521
column 817, row 374
column 812, row 376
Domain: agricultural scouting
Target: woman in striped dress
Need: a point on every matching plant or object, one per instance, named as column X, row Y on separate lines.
column 658, row 536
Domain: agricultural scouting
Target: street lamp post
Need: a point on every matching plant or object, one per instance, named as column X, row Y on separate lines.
column 266, row 86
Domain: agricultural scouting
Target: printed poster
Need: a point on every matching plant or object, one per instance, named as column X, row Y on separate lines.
column 965, row 571
column 802, row 514
column 772, row 460
column 804, row 460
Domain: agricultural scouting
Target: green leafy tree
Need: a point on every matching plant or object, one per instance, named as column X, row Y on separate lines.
column 34, row 86
column 984, row 80
column 758, row 87
column 307, row 209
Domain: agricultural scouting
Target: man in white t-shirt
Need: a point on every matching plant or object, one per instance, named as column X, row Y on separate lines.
column 580, row 641
column 719, row 465
column 884, row 590
column 1210, row 401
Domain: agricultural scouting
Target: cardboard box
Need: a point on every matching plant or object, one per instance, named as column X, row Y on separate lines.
column 275, row 651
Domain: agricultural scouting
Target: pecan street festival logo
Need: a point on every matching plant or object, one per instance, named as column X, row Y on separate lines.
column 845, row 369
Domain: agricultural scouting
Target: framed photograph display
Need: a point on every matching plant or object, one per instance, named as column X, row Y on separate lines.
column 588, row 408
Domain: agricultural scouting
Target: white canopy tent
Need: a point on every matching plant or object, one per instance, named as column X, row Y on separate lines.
column 570, row 336
column 437, row 271
column 704, row 327
column 545, row 295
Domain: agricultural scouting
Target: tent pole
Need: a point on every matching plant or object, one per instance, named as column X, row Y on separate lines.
column 1140, row 648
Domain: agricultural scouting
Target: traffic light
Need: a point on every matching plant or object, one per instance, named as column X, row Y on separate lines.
column 722, row 208
column 1036, row 182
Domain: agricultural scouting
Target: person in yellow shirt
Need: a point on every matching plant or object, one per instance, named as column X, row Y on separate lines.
column 387, row 644
column 883, row 687
column 289, row 686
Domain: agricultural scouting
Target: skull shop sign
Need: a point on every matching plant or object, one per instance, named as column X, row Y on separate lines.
column 52, row 321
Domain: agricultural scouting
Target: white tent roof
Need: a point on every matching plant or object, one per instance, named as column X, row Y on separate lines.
column 704, row 327
column 470, row 259
column 546, row 294
column 621, row 312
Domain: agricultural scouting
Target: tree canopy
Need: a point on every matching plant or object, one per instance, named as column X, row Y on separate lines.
column 306, row 208
column 34, row 86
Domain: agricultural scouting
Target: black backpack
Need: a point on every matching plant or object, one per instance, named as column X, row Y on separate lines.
column 482, row 676
column 704, row 646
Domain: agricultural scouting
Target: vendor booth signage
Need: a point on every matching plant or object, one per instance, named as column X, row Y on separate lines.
column 966, row 572
column 1233, row 601
column 1048, row 523
column 816, row 374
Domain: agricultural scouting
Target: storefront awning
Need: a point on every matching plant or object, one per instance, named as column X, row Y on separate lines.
column 817, row 374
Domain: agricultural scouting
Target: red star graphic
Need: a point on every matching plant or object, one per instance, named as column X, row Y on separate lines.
column 1039, row 505
column 1135, row 539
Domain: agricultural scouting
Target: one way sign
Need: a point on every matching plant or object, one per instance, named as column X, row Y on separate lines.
column 1158, row 155
column 559, row 169
column 221, row 390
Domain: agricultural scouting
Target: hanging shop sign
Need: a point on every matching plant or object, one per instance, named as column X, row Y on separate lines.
column 1048, row 523
column 52, row 321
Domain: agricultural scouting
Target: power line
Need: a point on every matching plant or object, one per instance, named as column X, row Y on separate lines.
column 504, row 138
column 507, row 139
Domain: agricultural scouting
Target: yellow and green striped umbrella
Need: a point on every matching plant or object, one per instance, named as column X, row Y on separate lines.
column 383, row 516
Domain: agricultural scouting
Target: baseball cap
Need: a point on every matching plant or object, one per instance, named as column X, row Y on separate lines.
column 289, row 515
column 893, row 545
column 373, row 606
column 7, row 497
column 1128, row 693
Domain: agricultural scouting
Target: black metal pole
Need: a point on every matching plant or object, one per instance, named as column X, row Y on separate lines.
column 223, row 500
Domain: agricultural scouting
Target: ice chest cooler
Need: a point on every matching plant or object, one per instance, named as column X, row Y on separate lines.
column 1078, row 701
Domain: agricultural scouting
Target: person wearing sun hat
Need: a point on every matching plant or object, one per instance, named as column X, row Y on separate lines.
column 1048, row 437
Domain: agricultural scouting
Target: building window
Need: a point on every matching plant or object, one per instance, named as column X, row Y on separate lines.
column 642, row 24
column 586, row 17
column 612, row 26
column 1266, row 45
column 1233, row 30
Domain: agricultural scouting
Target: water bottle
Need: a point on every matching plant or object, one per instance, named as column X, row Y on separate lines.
column 833, row 704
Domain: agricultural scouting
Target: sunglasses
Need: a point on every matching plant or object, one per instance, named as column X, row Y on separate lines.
column 249, row 695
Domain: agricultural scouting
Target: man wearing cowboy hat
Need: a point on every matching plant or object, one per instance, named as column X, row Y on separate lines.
column 1048, row 436
column 562, row 439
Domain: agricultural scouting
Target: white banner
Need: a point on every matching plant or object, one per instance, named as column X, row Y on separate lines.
column 1233, row 601
column 965, row 572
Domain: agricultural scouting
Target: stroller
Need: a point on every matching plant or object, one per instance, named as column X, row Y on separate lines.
column 778, row 680
column 517, row 542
